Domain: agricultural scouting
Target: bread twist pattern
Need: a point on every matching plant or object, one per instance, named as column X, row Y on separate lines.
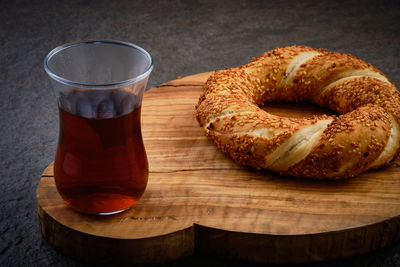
column 366, row 135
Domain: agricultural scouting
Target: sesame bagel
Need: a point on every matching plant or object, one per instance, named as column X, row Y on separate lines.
column 366, row 135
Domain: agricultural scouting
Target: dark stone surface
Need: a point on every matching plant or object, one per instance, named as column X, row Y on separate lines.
column 184, row 37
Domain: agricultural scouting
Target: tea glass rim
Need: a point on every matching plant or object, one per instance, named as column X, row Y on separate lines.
column 103, row 85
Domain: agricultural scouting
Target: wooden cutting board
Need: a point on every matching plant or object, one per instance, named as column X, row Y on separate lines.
column 198, row 200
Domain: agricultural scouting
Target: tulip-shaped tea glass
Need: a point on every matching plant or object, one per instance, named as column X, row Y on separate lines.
column 101, row 164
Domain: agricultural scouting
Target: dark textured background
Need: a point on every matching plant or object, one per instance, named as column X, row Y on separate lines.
column 184, row 37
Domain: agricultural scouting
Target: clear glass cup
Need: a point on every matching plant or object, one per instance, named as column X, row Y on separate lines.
column 101, row 164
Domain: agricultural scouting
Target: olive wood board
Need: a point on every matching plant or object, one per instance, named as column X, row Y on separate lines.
column 198, row 200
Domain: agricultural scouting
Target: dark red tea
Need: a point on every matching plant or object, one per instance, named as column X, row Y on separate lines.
column 101, row 164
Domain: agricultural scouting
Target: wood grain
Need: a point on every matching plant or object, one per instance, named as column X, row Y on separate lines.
column 197, row 199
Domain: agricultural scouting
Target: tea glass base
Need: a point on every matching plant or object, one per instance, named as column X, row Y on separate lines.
column 96, row 213
column 100, row 204
column 100, row 213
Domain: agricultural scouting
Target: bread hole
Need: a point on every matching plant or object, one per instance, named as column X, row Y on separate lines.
column 302, row 109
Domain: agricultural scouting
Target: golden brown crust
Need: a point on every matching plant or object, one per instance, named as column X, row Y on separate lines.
column 349, row 94
column 323, row 147
column 348, row 145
